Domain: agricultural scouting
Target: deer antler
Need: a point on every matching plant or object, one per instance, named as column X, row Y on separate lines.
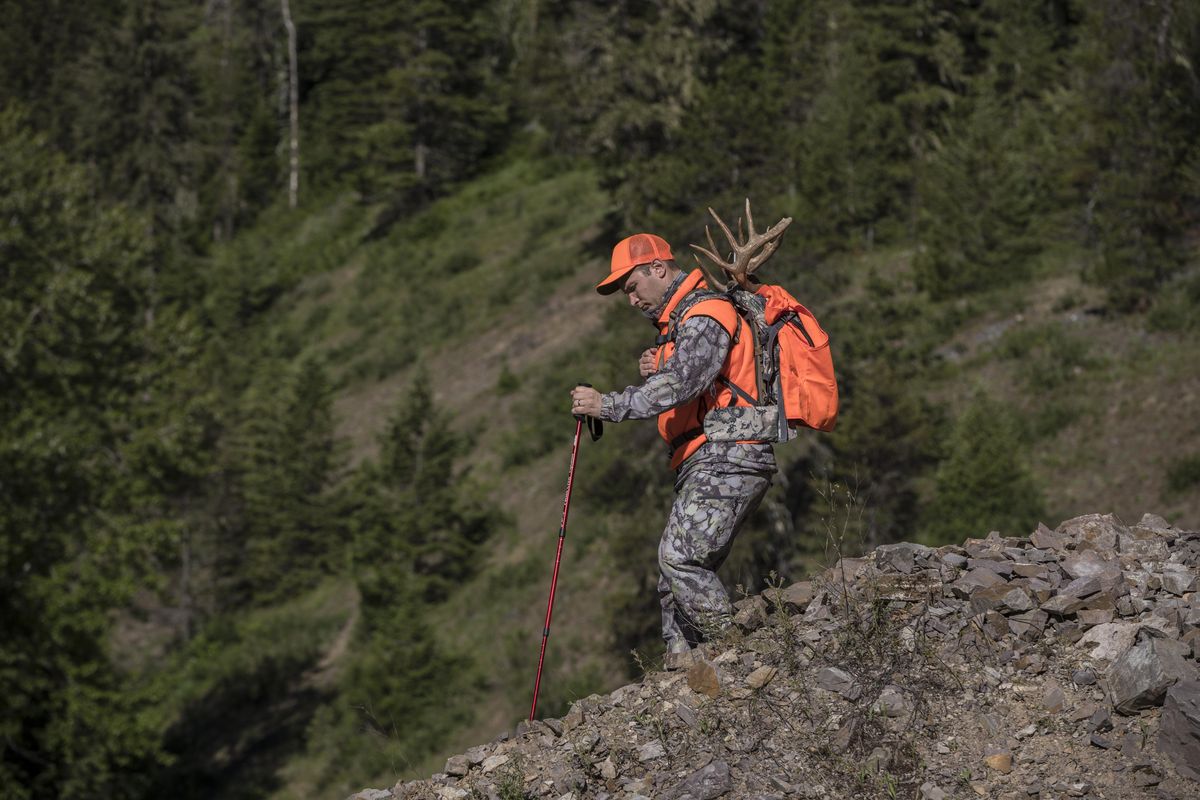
column 747, row 255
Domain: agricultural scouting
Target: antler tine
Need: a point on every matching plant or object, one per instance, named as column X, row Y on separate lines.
column 758, row 260
column 749, row 250
column 712, row 279
column 728, row 233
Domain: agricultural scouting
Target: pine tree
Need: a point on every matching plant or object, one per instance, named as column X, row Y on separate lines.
column 402, row 101
column 1142, row 102
column 983, row 484
column 75, row 363
column 287, row 463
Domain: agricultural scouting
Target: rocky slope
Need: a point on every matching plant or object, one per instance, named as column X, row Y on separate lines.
column 1062, row 665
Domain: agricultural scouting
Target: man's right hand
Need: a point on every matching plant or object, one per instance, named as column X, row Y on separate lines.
column 647, row 365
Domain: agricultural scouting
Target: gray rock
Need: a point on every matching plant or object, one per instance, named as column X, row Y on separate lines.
column 1179, row 728
column 371, row 794
column 1101, row 530
column 1062, row 605
column 1083, row 677
column 840, row 681
column 650, row 751
column 1140, row 676
column 1081, row 587
column 1045, row 539
column 457, row 766
column 901, row 557
column 973, row 581
column 1029, row 625
column 1109, row 640
column 1178, row 579
column 1002, row 568
column 1090, row 564
column 1090, row 618
column 706, row 783
column 797, row 596
column 751, row 613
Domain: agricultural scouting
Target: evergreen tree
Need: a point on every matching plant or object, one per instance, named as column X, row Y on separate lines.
column 983, row 484
column 412, row 507
column 1142, row 101
column 982, row 193
column 402, row 99
column 133, row 115
column 75, row 364
column 288, row 527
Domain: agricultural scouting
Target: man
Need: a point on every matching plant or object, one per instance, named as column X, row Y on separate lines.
column 704, row 350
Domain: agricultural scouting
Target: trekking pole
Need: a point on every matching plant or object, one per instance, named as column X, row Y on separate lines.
column 595, row 429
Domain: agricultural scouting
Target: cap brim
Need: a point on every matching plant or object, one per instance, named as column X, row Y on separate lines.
column 613, row 282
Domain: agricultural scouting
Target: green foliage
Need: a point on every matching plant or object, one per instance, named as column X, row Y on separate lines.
column 171, row 361
column 405, row 104
column 78, row 352
column 983, row 484
column 287, row 459
column 1183, row 473
column 1143, row 108
column 237, row 672
column 981, row 193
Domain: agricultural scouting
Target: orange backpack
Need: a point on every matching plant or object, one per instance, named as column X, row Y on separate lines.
column 796, row 355
column 794, row 370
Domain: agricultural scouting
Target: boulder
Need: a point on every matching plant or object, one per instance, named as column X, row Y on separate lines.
column 1179, row 728
column 1045, row 539
column 902, row 556
column 1029, row 625
column 1109, row 640
column 1178, row 579
column 1140, row 677
column 972, row 581
column 838, row 680
column 1090, row 564
column 751, row 613
column 457, row 766
column 706, row 783
column 796, row 597
column 1100, row 530
column 703, row 679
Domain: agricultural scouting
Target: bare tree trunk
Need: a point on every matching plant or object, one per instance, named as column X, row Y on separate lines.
column 294, row 105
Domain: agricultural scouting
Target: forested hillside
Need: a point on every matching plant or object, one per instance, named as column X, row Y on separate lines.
column 294, row 293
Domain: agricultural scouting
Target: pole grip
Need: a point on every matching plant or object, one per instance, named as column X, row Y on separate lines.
column 594, row 425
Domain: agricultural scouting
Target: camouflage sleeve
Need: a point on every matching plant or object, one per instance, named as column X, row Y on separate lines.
column 701, row 346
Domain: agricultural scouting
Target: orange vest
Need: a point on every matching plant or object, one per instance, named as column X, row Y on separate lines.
column 683, row 426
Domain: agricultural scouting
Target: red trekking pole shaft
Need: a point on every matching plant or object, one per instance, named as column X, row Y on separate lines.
column 562, row 534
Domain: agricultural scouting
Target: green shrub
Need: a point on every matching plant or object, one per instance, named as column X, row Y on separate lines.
column 1183, row 473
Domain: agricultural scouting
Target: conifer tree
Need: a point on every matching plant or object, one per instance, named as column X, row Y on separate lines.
column 983, row 484
column 288, row 526
column 76, row 356
column 1142, row 101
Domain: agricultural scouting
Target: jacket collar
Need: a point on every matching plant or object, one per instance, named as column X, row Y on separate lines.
column 683, row 286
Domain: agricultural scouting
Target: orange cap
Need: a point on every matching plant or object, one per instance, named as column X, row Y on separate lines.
column 641, row 248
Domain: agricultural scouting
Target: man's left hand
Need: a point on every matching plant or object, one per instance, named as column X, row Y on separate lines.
column 585, row 401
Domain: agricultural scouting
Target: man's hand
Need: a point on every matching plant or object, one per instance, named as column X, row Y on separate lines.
column 585, row 400
column 647, row 365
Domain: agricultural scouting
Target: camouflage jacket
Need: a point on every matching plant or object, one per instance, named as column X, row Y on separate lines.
column 701, row 346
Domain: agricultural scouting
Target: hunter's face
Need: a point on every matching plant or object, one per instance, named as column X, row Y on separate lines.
column 646, row 285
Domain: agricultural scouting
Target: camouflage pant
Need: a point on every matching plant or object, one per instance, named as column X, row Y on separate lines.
column 709, row 509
